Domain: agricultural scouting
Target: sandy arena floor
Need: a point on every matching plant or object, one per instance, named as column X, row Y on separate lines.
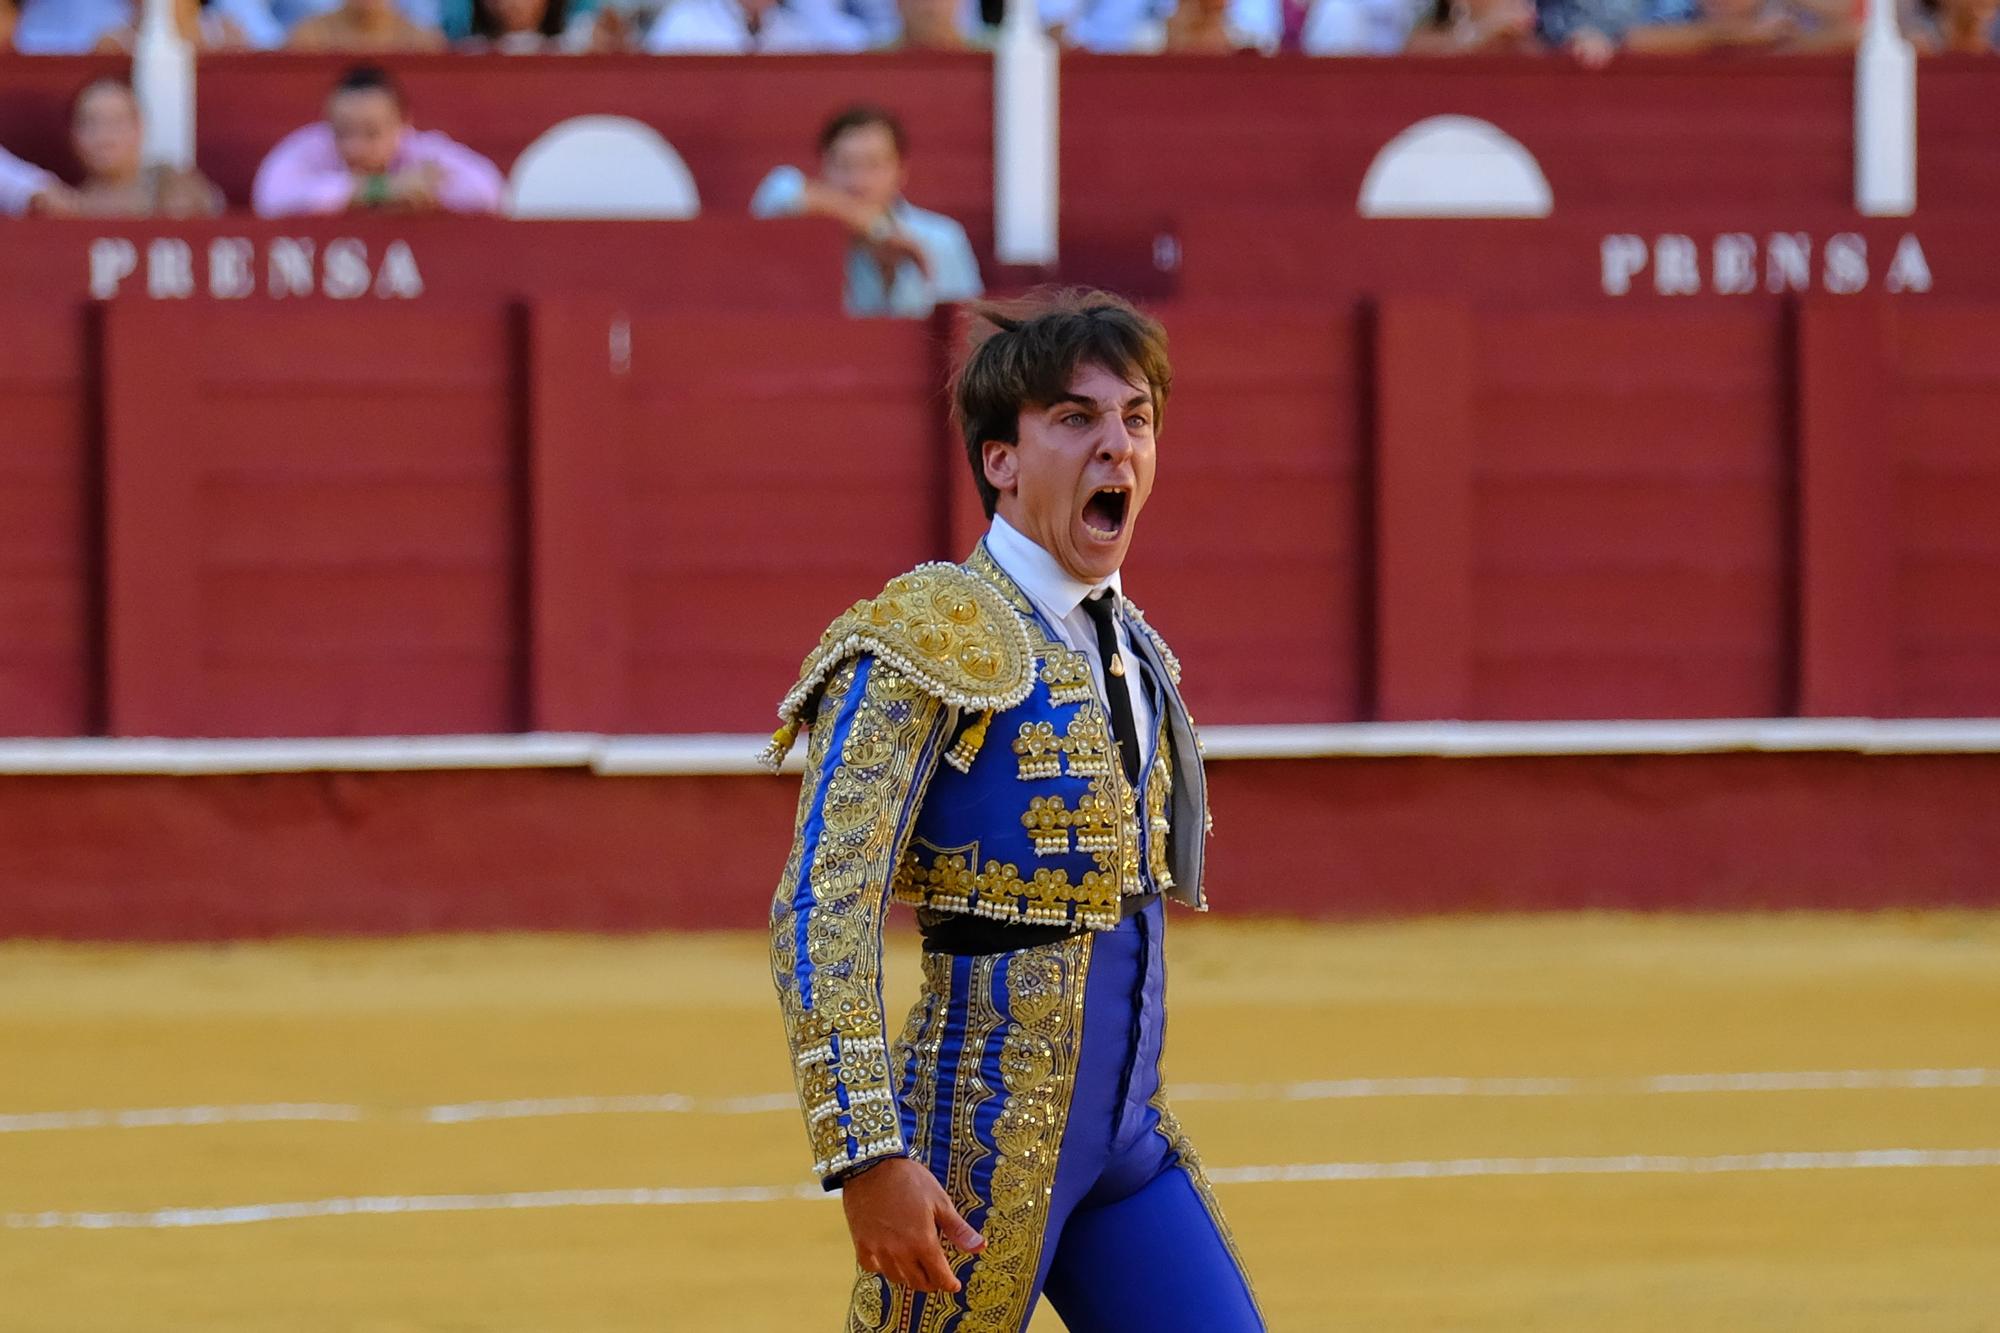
column 1444, row 1125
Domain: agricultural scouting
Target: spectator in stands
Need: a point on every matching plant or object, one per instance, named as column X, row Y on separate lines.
column 1204, row 27
column 543, row 27
column 366, row 156
column 27, row 190
column 904, row 261
column 1773, row 25
column 105, row 135
column 78, row 27
column 1355, row 27
column 1965, row 27
column 741, row 27
column 423, row 13
column 937, row 25
column 1593, row 30
column 373, row 27
column 1440, row 28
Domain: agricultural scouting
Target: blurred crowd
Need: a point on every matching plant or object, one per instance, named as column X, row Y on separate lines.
column 1592, row 31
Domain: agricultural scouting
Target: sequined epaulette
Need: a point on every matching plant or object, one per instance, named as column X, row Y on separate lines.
column 946, row 629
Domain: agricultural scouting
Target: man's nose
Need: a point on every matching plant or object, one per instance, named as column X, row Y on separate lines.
column 1113, row 444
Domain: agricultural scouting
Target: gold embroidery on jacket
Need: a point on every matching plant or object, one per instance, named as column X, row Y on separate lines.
column 1039, row 751
column 947, row 629
column 1067, row 674
column 948, row 883
column 839, row 1050
column 1159, row 824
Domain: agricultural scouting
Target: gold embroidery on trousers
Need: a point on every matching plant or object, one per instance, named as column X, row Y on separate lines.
column 1040, row 1040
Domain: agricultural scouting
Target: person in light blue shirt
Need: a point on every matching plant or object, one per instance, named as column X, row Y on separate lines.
column 905, row 260
column 77, row 27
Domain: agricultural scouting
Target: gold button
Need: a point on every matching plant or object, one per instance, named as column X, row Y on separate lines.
column 1118, row 665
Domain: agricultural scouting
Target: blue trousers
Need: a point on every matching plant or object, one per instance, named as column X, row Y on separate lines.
column 1030, row 1086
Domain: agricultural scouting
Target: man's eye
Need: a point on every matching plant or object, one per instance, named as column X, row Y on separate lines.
column 1075, row 419
column 1140, row 421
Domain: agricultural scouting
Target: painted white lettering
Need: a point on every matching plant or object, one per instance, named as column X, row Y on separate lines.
column 1733, row 264
column 345, row 266
column 1788, row 262
column 169, row 269
column 232, row 273
column 1620, row 257
column 112, row 259
column 1845, row 264
column 398, row 276
column 1676, row 266
column 1909, row 271
column 289, row 267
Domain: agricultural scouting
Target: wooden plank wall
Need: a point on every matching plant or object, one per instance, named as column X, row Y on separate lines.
column 50, row 650
column 323, row 519
column 312, row 521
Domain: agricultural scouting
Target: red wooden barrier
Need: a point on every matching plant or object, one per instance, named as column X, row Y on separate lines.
column 326, row 517
column 709, row 494
column 538, row 849
column 49, row 649
column 1901, row 609
column 311, row 521
column 709, row 263
column 1253, row 553
column 1163, row 134
column 1583, row 513
column 1737, row 256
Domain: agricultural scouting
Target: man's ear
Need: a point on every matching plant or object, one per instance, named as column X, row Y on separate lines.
column 1001, row 464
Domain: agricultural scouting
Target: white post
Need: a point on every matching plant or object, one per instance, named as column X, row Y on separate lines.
column 1885, row 117
column 1025, row 143
column 163, row 82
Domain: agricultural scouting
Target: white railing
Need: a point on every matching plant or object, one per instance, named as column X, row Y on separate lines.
column 700, row 755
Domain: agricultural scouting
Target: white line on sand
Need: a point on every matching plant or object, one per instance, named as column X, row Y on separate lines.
column 1806, row 1080
column 1292, row 1173
column 459, row 1113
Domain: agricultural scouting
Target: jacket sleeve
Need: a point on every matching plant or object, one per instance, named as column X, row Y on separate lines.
column 874, row 745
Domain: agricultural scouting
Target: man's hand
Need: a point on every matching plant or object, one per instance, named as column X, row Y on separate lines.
column 55, row 201
column 897, row 1213
column 415, row 189
column 1591, row 48
column 896, row 249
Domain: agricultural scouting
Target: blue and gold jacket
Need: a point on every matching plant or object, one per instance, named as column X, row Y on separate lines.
column 958, row 760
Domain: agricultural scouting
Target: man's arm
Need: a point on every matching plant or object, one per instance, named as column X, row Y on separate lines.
column 468, row 182
column 873, row 748
column 303, row 175
column 21, row 183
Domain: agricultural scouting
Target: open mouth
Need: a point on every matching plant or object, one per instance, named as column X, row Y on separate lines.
column 1104, row 511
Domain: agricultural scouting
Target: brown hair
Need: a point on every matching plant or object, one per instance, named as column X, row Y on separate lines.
column 861, row 116
column 1031, row 351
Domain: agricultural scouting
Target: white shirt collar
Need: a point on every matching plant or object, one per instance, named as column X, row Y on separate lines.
column 1038, row 572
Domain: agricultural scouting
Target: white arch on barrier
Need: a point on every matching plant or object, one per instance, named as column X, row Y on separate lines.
column 601, row 167
column 1455, row 167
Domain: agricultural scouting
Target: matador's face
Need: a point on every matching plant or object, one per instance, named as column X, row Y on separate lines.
column 1080, row 471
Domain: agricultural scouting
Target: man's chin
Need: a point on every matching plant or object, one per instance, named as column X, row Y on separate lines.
column 1095, row 559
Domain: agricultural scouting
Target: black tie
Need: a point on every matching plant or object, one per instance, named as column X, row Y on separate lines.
column 1101, row 610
